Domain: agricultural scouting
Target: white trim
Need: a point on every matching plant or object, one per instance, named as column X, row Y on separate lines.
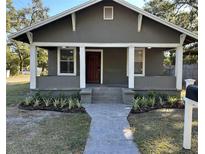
column 143, row 69
column 33, row 66
column 127, row 61
column 140, row 45
column 82, row 67
column 58, row 62
column 108, row 7
column 131, row 79
column 73, row 17
column 189, row 105
column 140, row 16
column 92, row 2
column 101, row 67
column 30, row 37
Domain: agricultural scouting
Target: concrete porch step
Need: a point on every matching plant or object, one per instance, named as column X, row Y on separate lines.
column 106, row 95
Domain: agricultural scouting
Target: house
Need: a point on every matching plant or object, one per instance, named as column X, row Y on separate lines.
column 105, row 42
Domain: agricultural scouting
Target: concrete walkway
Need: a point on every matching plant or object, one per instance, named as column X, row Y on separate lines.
column 109, row 132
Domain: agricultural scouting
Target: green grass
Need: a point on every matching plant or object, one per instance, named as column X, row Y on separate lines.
column 161, row 131
column 16, row 89
column 65, row 134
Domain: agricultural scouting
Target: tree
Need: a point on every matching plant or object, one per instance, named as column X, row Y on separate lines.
column 18, row 19
column 180, row 12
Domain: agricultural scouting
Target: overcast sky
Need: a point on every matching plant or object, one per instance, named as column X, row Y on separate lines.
column 57, row 6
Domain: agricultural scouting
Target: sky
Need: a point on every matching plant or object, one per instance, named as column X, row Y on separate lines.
column 57, row 6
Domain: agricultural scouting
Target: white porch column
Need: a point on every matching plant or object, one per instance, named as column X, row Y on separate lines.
column 33, row 66
column 179, row 67
column 82, row 67
column 131, row 65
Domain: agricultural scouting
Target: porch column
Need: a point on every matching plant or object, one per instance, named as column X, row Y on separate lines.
column 131, row 55
column 179, row 67
column 33, row 66
column 82, row 67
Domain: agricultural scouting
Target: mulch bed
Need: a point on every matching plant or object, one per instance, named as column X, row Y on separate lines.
column 178, row 105
column 52, row 108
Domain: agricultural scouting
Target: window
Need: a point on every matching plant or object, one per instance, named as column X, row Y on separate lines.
column 108, row 13
column 67, row 61
column 139, row 62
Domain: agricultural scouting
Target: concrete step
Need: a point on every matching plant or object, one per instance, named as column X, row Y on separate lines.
column 107, row 95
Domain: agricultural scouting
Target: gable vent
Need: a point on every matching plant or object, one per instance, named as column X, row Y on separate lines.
column 108, row 13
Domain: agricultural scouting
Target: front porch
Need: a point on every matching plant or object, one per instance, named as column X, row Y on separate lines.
column 119, row 66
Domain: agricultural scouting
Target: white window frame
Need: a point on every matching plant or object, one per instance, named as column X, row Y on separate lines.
column 143, row 65
column 58, row 61
column 108, row 7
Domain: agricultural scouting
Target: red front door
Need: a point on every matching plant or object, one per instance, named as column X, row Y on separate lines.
column 93, row 67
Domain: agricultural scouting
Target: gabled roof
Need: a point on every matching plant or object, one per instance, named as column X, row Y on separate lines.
column 92, row 2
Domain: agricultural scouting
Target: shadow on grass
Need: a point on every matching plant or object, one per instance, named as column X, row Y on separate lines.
column 161, row 131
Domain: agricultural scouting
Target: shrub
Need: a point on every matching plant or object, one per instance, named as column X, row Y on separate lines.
column 63, row 102
column 36, row 103
column 47, row 101
column 135, row 104
column 28, row 101
column 172, row 100
column 56, row 102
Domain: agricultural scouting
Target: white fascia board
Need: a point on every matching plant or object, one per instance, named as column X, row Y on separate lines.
column 151, row 16
column 53, row 18
column 74, row 44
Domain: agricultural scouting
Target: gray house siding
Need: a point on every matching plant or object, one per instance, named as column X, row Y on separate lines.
column 91, row 28
column 58, row 83
column 115, row 63
column 155, row 83
column 154, row 62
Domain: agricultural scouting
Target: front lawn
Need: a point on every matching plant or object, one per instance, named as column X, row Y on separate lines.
column 46, row 132
column 161, row 131
column 17, row 88
column 41, row 132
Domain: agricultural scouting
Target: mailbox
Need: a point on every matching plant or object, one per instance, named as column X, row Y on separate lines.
column 192, row 92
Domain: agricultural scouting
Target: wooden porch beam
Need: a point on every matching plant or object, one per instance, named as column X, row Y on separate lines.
column 182, row 38
column 30, row 37
column 140, row 16
column 73, row 16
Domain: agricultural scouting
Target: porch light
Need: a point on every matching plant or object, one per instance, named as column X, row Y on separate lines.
column 149, row 47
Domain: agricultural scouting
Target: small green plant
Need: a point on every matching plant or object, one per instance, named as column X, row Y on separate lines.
column 63, row 102
column 47, row 101
column 172, row 100
column 28, row 101
column 36, row 102
column 151, row 101
column 71, row 103
column 56, row 102
column 78, row 104
column 135, row 104
column 161, row 102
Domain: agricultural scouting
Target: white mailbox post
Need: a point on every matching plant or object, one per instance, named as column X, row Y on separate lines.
column 189, row 105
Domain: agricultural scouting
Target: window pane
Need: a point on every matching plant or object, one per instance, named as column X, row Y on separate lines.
column 108, row 13
column 67, row 54
column 67, row 67
column 138, row 61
